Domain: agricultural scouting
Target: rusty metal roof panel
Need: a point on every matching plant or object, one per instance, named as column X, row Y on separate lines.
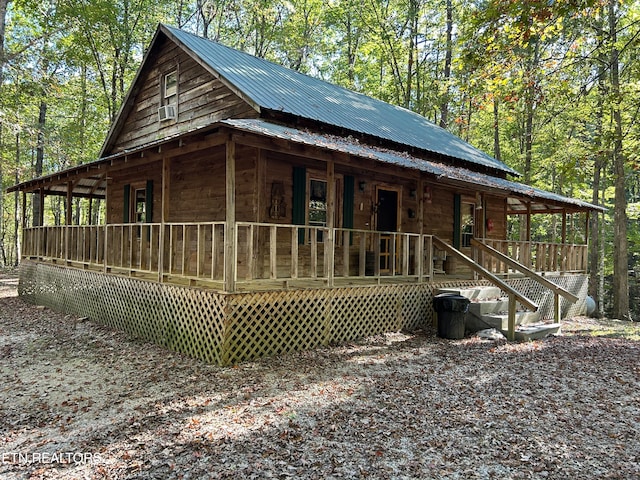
column 440, row 170
column 269, row 86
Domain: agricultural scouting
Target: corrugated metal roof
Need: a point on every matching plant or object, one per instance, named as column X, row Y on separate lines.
column 273, row 87
column 440, row 170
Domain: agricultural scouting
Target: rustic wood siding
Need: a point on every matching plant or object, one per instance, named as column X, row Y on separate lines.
column 137, row 178
column 246, row 183
column 197, row 187
column 202, row 100
column 496, row 211
column 438, row 215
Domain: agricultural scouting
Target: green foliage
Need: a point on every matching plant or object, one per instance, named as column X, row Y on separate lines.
column 533, row 68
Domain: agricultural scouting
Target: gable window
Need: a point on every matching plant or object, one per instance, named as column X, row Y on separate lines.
column 169, row 97
column 170, row 88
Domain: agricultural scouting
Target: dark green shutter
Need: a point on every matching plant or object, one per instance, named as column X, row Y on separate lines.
column 126, row 204
column 298, row 208
column 148, row 208
column 347, row 206
column 457, row 229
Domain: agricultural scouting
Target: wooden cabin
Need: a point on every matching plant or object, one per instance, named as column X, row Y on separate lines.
column 246, row 209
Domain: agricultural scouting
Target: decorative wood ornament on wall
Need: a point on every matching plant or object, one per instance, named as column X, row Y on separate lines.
column 278, row 207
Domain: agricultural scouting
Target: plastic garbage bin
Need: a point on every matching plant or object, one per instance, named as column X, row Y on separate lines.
column 450, row 309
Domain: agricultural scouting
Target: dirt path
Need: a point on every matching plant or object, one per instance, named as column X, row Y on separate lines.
column 82, row 401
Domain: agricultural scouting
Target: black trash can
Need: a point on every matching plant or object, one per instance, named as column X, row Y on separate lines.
column 451, row 309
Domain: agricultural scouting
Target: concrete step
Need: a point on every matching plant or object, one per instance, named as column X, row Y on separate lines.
column 526, row 333
column 474, row 293
column 500, row 321
column 486, row 307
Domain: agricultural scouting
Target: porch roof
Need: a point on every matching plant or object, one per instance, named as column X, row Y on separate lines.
column 89, row 180
column 521, row 198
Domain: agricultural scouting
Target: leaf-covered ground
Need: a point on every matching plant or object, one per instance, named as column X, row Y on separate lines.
column 82, row 401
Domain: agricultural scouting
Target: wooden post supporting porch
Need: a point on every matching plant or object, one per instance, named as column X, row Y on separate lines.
column 230, row 236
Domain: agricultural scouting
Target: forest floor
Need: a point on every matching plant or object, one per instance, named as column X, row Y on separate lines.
column 82, row 401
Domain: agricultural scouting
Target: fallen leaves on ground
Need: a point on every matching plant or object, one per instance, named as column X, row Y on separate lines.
column 83, row 401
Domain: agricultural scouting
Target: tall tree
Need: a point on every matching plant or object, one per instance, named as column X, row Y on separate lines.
column 4, row 4
column 620, row 248
column 448, row 58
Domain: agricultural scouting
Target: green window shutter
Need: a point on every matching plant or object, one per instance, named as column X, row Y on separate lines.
column 126, row 204
column 149, row 202
column 298, row 208
column 457, row 228
column 347, row 206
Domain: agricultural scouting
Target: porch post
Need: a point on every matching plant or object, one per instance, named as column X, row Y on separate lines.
column 68, row 221
column 163, row 216
column 527, row 260
column 230, row 236
column 30, row 246
column 331, row 220
column 528, row 230
column 419, row 255
column 39, row 217
column 564, row 264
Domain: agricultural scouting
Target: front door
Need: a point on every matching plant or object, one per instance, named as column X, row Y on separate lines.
column 387, row 221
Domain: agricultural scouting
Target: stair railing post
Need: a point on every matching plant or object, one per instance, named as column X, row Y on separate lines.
column 511, row 333
column 556, row 307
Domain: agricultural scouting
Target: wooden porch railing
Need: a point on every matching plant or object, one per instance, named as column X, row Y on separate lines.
column 290, row 253
column 537, row 256
column 265, row 254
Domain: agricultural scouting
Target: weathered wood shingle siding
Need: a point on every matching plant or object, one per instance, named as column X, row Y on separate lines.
column 202, row 100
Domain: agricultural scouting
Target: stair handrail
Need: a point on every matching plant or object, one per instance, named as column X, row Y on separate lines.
column 525, row 270
column 556, row 289
column 483, row 272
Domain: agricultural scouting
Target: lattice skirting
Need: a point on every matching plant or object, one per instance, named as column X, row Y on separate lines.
column 578, row 284
column 229, row 328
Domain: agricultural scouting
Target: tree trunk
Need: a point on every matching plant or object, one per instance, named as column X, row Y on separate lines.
column 2, row 226
column 620, row 244
column 444, row 105
column 596, row 273
column 16, row 207
column 3, row 18
column 42, row 118
column 413, row 32
column 496, row 130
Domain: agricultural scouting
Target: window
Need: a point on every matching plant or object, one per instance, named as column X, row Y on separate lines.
column 318, row 205
column 140, row 205
column 170, row 88
column 318, row 202
column 467, row 223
